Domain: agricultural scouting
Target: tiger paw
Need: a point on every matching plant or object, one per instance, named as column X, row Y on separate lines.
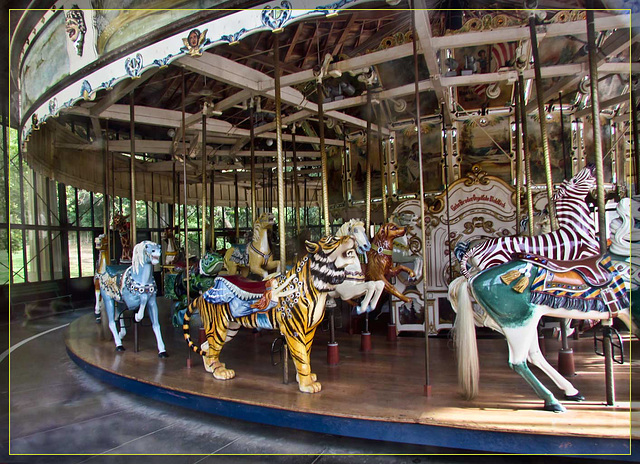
column 312, row 376
column 220, row 372
column 311, row 387
column 208, row 363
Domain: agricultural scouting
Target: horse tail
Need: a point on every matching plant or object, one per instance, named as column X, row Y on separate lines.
column 464, row 336
column 193, row 307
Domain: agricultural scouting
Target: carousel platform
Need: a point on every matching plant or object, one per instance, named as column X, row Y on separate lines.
column 378, row 394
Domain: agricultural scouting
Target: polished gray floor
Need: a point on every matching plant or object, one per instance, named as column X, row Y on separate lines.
column 60, row 414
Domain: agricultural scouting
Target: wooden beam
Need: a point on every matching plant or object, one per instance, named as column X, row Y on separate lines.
column 122, row 89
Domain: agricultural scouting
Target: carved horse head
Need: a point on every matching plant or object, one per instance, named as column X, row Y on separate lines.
column 355, row 229
column 101, row 242
column 145, row 252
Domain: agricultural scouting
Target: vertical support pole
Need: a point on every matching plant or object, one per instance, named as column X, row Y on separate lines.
column 368, row 178
column 323, row 157
column 427, row 385
column 281, row 206
column 527, row 154
column 543, row 123
column 565, row 161
column 597, row 145
column 254, row 208
column 186, row 193
column 132, row 213
column 236, row 213
column 296, row 187
column 383, row 166
column 635, row 158
column 203, row 193
column 212, row 196
column 518, row 135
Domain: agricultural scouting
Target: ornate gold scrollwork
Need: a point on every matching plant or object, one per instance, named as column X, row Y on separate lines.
column 477, row 223
column 476, row 176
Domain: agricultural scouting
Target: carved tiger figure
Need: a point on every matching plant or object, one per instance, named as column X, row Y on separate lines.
column 296, row 316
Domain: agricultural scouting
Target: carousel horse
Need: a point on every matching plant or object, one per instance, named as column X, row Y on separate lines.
column 256, row 256
column 577, row 289
column 135, row 287
column 355, row 285
column 402, row 246
column 171, row 252
column 122, row 226
column 380, row 261
column 102, row 244
column 201, row 278
column 296, row 310
column 574, row 239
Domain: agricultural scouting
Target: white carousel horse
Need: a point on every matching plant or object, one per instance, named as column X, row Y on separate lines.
column 257, row 255
column 136, row 287
column 102, row 244
column 171, row 253
column 355, row 285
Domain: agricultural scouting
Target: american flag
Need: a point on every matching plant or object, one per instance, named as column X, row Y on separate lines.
column 501, row 55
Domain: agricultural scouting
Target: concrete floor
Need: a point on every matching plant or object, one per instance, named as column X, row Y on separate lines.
column 60, row 414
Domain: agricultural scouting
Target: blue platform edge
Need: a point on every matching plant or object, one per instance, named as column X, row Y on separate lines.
column 417, row 434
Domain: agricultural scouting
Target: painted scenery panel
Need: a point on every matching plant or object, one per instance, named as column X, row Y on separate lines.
column 554, row 133
column 485, row 141
column 589, row 150
column 408, row 167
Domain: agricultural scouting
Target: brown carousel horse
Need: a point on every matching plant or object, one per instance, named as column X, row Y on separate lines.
column 380, row 258
column 122, row 226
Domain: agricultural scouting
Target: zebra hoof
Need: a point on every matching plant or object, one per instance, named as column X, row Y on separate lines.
column 577, row 397
column 98, row 320
column 163, row 354
column 554, row 407
column 120, row 348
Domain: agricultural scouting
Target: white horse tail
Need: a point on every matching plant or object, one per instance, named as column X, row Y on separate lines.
column 625, row 317
column 464, row 336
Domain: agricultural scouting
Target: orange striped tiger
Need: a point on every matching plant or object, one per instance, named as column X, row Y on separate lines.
column 296, row 315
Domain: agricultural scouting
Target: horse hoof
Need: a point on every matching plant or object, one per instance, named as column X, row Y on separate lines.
column 163, row 355
column 98, row 320
column 120, row 348
column 554, row 407
column 577, row 397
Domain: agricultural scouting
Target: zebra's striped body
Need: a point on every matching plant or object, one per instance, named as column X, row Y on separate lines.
column 575, row 238
column 296, row 315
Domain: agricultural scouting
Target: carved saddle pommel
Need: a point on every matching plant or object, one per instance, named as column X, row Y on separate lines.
column 593, row 270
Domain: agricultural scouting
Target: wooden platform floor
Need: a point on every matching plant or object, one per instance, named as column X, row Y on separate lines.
column 383, row 386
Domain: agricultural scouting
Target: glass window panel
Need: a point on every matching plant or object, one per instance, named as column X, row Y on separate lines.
column 194, row 244
column 27, row 200
column 98, row 210
column 17, row 256
column 5, row 268
column 45, row 255
column 54, row 209
column 32, row 256
column 74, row 262
column 41, row 200
column 71, row 205
column 141, row 214
column 86, row 253
column 4, row 195
column 84, row 208
column 56, row 252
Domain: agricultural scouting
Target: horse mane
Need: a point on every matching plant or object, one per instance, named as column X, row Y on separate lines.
column 345, row 228
column 137, row 258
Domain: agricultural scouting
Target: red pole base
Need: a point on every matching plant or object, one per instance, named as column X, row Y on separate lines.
column 202, row 337
column 392, row 334
column 566, row 366
column 333, row 354
column 365, row 341
column 427, row 390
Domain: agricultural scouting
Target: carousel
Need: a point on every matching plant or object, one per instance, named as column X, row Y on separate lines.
column 378, row 200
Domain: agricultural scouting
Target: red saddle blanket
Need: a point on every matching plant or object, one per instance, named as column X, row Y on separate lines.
column 251, row 286
column 591, row 269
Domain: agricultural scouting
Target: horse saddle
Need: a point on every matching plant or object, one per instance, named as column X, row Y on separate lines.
column 116, row 269
column 240, row 254
column 592, row 270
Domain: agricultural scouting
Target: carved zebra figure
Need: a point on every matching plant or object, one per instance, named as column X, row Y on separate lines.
column 575, row 238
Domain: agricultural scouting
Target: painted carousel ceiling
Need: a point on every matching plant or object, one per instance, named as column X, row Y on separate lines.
column 87, row 68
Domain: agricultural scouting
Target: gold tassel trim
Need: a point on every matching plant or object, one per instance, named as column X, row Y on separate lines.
column 521, row 285
column 508, row 277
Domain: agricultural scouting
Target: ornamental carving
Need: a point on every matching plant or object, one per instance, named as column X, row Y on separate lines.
column 488, row 22
column 476, row 176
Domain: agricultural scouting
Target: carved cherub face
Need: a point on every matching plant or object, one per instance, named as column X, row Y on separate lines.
column 193, row 38
column 73, row 29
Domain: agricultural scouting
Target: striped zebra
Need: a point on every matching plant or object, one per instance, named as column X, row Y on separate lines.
column 574, row 239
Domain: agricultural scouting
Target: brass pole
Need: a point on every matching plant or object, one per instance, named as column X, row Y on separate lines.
column 132, row 214
column 518, row 157
column 212, row 216
column 323, row 157
column 527, row 155
column 184, row 173
column 368, row 162
column 565, row 161
column 296, row 188
column 236, row 207
column 543, row 122
column 383, row 166
column 281, row 207
column 427, row 386
column 107, row 199
column 203, row 241
column 254, row 209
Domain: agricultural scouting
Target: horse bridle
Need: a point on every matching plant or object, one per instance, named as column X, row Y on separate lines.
column 265, row 257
